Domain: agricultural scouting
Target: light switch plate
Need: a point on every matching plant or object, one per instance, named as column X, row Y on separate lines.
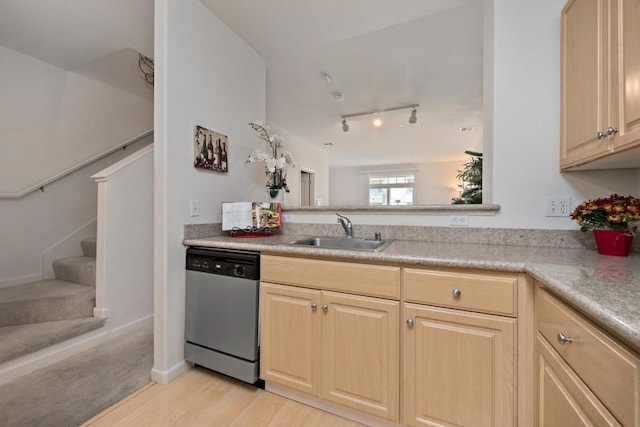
column 459, row 220
column 194, row 207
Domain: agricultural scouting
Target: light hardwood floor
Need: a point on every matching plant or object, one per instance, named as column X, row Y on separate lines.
column 203, row 398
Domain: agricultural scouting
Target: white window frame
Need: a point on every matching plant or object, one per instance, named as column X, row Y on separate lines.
column 390, row 174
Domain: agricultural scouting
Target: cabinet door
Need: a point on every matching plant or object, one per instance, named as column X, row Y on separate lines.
column 361, row 353
column 585, row 82
column 562, row 399
column 290, row 337
column 628, row 74
column 459, row 368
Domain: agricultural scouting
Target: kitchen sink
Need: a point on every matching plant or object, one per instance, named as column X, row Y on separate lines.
column 350, row 244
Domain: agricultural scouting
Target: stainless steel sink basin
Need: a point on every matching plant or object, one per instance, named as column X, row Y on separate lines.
column 351, row 244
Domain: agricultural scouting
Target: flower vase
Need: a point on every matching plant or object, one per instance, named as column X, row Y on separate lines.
column 276, row 195
column 613, row 242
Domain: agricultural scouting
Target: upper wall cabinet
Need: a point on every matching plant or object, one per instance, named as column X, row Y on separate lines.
column 600, row 77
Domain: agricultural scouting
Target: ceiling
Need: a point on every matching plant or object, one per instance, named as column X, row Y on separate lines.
column 380, row 54
column 73, row 33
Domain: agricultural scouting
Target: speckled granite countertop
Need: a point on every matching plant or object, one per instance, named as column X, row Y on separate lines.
column 603, row 287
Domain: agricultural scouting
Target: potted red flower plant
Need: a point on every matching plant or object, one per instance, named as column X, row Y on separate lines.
column 613, row 220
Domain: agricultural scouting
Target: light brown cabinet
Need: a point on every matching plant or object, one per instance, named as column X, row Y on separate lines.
column 460, row 367
column 563, row 399
column 600, row 87
column 628, row 82
column 333, row 330
column 290, row 349
column 340, row 347
column 360, row 353
column 581, row 373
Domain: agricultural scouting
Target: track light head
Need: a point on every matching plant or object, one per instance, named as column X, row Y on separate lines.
column 345, row 125
column 413, row 118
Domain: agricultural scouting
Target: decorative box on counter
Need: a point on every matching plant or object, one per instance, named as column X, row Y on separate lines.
column 251, row 219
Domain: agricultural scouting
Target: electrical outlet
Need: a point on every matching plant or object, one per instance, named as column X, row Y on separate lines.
column 459, row 220
column 286, row 218
column 557, row 206
column 194, row 207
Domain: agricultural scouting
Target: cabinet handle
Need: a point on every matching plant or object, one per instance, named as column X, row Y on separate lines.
column 607, row 132
column 410, row 322
column 314, row 306
column 563, row 339
column 325, row 307
column 456, row 292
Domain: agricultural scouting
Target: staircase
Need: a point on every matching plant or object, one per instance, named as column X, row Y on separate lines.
column 37, row 315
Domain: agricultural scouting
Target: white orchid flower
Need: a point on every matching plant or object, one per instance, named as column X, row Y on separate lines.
column 276, row 161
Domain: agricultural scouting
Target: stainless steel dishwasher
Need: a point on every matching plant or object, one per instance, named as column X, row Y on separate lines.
column 221, row 324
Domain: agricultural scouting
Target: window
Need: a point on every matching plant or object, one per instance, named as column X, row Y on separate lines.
column 391, row 188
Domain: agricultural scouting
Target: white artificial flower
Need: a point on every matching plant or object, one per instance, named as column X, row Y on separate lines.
column 281, row 163
column 277, row 159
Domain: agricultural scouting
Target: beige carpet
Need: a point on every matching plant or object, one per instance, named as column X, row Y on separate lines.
column 76, row 389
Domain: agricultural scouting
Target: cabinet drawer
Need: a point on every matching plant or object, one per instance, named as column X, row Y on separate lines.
column 563, row 399
column 608, row 369
column 483, row 292
column 362, row 279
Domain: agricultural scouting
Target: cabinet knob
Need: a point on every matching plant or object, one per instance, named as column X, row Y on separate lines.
column 325, row 307
column 314, row 306
column 410, row 322
column 563, row 339
column 607, row 132
column 456, row 292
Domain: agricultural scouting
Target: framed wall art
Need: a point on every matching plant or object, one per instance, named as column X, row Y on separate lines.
column 210, row 150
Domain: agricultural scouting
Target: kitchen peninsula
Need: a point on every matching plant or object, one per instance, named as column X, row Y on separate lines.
column 577, row 289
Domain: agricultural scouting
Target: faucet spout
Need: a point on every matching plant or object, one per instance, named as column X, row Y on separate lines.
column 346, row 224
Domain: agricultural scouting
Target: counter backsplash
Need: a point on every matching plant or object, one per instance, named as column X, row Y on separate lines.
column 491, row 236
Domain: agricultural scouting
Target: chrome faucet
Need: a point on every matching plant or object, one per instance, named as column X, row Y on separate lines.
column 346, row 224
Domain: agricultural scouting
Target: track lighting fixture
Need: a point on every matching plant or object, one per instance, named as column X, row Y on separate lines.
column 413, row 118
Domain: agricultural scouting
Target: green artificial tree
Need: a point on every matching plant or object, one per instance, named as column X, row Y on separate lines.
column 471, row 181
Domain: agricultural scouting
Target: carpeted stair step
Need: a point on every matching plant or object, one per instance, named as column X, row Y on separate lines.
column 76, row 269
column 89, row 247
column 45, row 301
column 16, row 341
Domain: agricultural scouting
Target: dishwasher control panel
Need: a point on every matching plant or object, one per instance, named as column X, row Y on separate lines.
column 242, row 264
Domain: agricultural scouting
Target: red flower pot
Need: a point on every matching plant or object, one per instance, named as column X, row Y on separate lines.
column 613, row 242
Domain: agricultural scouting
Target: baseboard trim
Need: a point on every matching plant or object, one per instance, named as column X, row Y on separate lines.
column 55, row 353
column 101, row 313
column 164, row 377
column 21, row 280
column 333, row 408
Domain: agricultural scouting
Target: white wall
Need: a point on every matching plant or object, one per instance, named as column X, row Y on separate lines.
column 526, row 120
column 52, row 119
column 205, row 75
column 436, row 182
column 32, row 225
